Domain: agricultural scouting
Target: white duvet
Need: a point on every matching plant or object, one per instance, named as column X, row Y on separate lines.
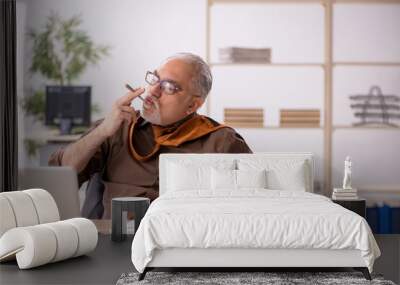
column 250, row 219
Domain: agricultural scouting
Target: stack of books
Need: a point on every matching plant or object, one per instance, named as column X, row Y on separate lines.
column 344, row 194
column 245, row 118
column 300, row 118
column 245, row 55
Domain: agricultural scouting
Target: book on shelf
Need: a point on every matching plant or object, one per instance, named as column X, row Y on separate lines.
column 384, row 218
column 299, row 118
column 299, row 125
column 244, row 124
column 341, row 190
column 336, row 197
column 300, row 113
column 244, row 117
column 244, row 114
column 240, row 54
column 305, row 110
column 344, row 194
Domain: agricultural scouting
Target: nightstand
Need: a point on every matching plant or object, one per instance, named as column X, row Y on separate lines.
column 357, row 206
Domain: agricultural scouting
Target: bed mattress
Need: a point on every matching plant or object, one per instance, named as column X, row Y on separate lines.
column 250, row 219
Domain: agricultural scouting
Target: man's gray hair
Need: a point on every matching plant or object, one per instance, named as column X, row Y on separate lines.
column 202, row 78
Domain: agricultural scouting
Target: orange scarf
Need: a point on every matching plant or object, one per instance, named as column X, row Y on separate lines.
column 193, row 128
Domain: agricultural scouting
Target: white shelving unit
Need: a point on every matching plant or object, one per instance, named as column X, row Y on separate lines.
column 327, row 65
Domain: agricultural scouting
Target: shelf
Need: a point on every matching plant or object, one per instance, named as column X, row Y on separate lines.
column 344, row 63
column 372, row 127
column 268, row 1
column 338, row 127
column 301, row 64
column 366, row 1
column 276, row 128
column 328, row 65
column 307, row 1
column 267, row 64
column 62, row 138
column 53, row 136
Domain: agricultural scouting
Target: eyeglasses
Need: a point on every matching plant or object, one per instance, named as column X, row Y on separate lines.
column 168, row 86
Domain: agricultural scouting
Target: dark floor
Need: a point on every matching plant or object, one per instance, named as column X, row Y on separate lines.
column 111, row 259
column 102, row 266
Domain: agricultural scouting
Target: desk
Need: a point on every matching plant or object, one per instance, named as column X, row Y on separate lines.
column 51, row 145
column 104, row 265
column 103, row 226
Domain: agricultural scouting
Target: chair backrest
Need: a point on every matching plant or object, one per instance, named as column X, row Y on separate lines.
column 60, row 182
column 270, row 161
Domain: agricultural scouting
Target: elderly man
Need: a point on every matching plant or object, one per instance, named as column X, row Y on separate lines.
column 125, row 145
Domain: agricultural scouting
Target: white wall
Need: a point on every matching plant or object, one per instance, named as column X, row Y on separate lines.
column 366, row 32
column 144, row 32
column 141, row 33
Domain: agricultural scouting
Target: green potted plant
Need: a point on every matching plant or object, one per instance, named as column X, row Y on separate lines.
column 61, row 52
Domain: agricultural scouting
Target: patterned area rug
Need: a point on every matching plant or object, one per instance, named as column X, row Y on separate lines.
column 229, row 278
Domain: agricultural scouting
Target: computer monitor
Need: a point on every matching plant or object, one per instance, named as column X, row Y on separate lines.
column 68, row 106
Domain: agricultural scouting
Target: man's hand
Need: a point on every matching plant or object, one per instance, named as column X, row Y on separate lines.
column 121, row 111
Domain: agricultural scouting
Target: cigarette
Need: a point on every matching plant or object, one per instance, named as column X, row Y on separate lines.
column 133, row 90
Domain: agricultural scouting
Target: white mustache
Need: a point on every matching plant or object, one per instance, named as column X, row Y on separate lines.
column 153, row 102
column 151, row 111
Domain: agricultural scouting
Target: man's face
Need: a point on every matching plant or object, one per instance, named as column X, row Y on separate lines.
column 163, row 109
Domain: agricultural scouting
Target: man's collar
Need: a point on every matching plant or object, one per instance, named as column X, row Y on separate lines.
column 173, row 125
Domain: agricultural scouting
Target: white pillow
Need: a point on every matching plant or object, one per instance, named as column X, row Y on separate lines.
column 290, row 179
column 193, row 175
column 223, row 179
column 183, row 177
column 281, row 174
column 236, row 179
column 251, row 178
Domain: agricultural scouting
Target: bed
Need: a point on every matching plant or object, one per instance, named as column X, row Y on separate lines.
column 246, row 211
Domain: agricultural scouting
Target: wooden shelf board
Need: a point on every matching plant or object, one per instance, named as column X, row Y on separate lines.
column 365, row 63
column 54, row 137
column 267, row 1
column 304, row 1
column 291, row 64
column 366, row 1
column 338, row 127
column 277, row 128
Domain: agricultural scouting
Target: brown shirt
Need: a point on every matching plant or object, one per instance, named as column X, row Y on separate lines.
column 126, row 176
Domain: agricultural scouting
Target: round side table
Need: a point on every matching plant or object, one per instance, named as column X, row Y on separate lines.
column 119, row 209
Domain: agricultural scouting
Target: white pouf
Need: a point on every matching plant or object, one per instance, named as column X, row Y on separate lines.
column 41, row 244
column 31, row 232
